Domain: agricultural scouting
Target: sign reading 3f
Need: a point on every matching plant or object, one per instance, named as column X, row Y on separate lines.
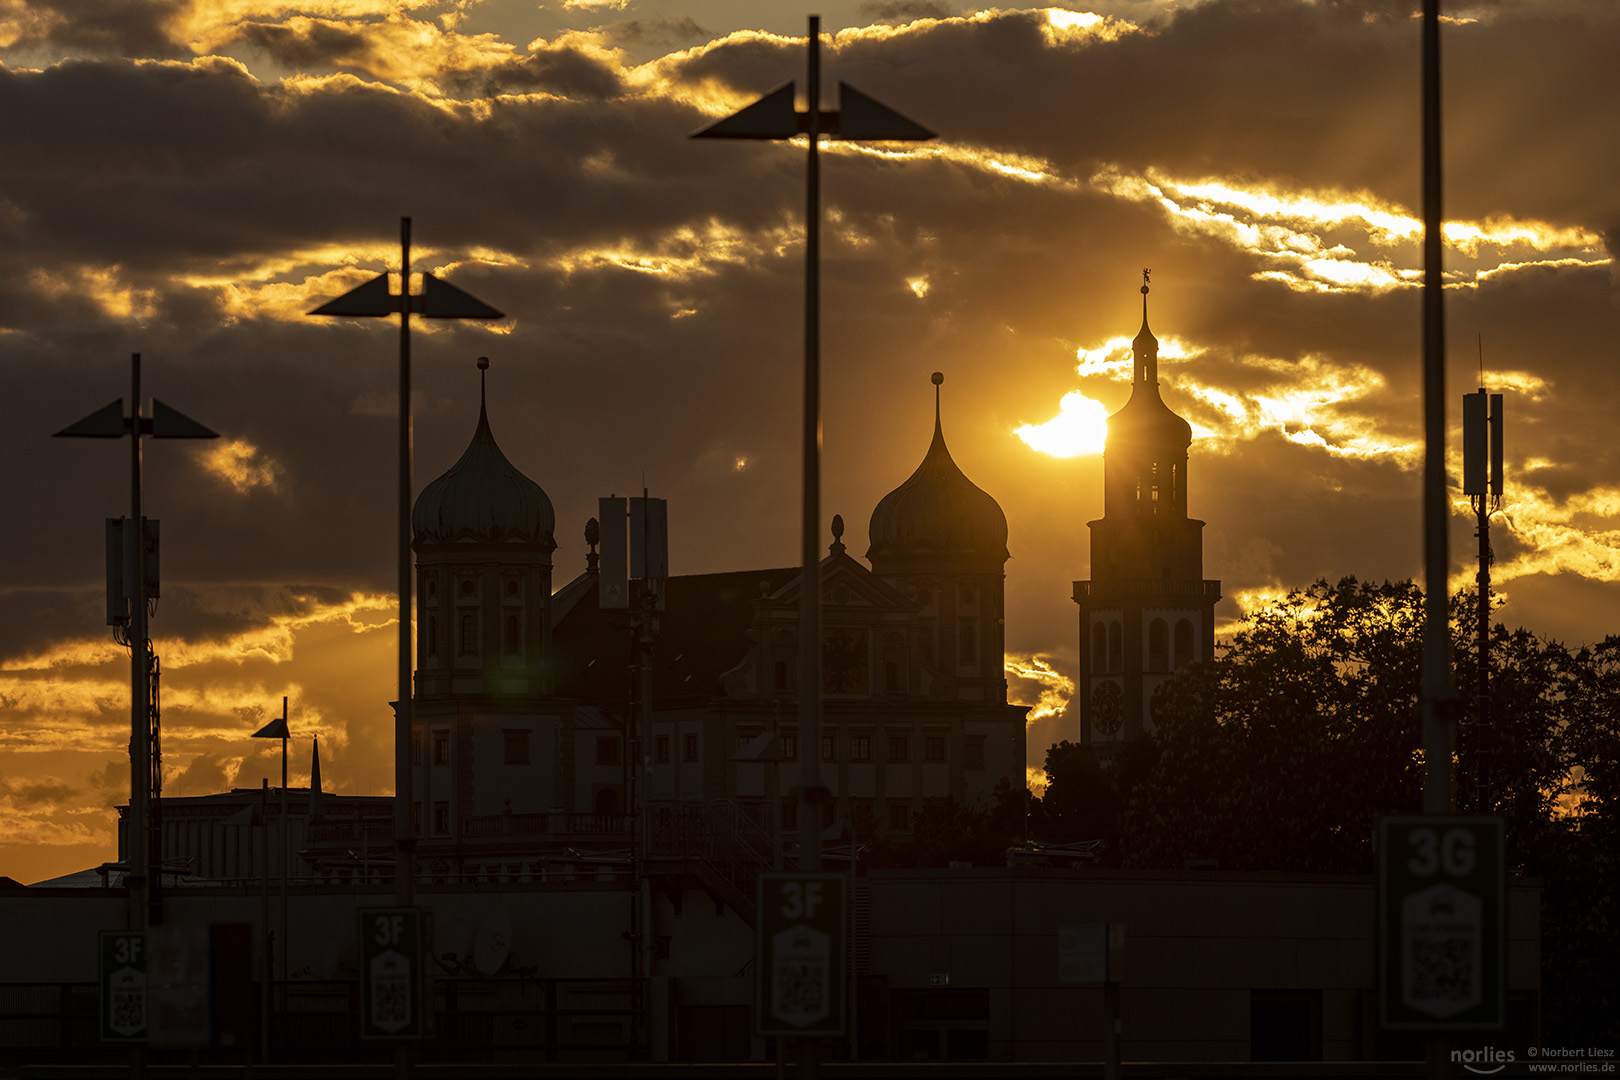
column 799, row 955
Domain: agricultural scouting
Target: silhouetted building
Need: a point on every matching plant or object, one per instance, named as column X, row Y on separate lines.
column 1147, row 609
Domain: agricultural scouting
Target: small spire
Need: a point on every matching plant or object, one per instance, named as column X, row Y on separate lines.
column 1145, row 347
column 593, row 536
column 315, row 781
column 483, row 366
column 837, row 546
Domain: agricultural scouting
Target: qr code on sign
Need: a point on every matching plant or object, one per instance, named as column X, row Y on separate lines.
column 128, row 1009
column 1442, row 969
column 801, row 986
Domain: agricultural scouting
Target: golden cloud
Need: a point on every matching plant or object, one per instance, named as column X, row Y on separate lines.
column 1032, row 675
column 242, row 466
column 1290, row 229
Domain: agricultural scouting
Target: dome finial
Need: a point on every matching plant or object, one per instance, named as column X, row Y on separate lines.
column 937, row 378
column 483, row 366
column 837, row 545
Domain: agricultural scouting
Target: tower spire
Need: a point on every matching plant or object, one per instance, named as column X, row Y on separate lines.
column 483, row 366
column 1145, row 348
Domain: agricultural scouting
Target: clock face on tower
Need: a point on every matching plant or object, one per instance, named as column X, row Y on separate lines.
column 1107, row 708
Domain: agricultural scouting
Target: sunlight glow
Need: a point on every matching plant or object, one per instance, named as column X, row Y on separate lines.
column 1080, row 427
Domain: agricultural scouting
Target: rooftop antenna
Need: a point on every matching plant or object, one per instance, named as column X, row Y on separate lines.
column 1482, row 483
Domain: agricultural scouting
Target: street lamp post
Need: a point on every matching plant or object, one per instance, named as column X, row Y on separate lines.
column 774, row 117
column 438, row 300
column 144, row 852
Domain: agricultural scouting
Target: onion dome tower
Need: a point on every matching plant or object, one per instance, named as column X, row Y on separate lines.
column 943, row 539
column 1147, row 609
column 483, row 542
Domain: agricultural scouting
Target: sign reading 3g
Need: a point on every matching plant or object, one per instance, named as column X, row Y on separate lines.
column 1442, row 909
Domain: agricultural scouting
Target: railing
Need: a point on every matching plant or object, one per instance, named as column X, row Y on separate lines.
column 552, row 823
column 1133, row 587
column 718, row 841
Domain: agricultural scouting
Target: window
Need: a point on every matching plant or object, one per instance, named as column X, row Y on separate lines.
column 607, row 749
column 517, row 747
column 441, row 747
column 745, row 737
column 466, row 587
column 416, row 817
column 829, row 748
column 781, row 675
column 1116, row 647
column 689, row 748
column 416, row 749
column 513, row 643
column 899, row 816
column 511, row 587
column 891, row 677
column 860, row 748
column 441, row 818
column 1158, row 646
column 1099, row 647
column 1184, row 643
column 967, row 651
column 934, row 748
column 973, row 752
column 790, row 747
column 469, row 635
column 661, row 750
column 899, row 748
column 433, row 635
column 968, row 596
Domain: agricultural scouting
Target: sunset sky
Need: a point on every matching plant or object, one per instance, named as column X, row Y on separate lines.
column 188, row 178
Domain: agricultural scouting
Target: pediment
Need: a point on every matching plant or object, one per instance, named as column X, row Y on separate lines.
column 847, row 584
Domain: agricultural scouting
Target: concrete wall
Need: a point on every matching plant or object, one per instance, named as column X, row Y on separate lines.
column 1197, row 947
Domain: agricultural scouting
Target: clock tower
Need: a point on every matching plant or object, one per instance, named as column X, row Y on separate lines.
column 1147, row 609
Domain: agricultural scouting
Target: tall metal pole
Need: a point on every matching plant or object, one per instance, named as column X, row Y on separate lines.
column 1438, row 723
column 283, row 845
column 1482, row 691
column 140, row 745
column 1438, row 719
column 405, row 846
column 810, row 589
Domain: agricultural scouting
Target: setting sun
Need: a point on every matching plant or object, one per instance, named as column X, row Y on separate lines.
column 1080, row 427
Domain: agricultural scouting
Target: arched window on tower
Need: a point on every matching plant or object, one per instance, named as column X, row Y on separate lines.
column 1116, row 647
column 1099, row 648
column 1178, row 497
column 1158, row 646
column 1153, row 493
column 469, row 634
column 1184, row 643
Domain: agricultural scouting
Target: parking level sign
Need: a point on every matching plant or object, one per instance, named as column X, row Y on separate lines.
column 391, row 992
column 1442, row 911
column 799, row 965
column 122, row 969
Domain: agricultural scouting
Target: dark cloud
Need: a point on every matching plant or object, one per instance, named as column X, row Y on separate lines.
column 566, row 72
column 903, row 10
column 123, row 28
column 40, row 793
column 311, row 44
column 665, row 34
